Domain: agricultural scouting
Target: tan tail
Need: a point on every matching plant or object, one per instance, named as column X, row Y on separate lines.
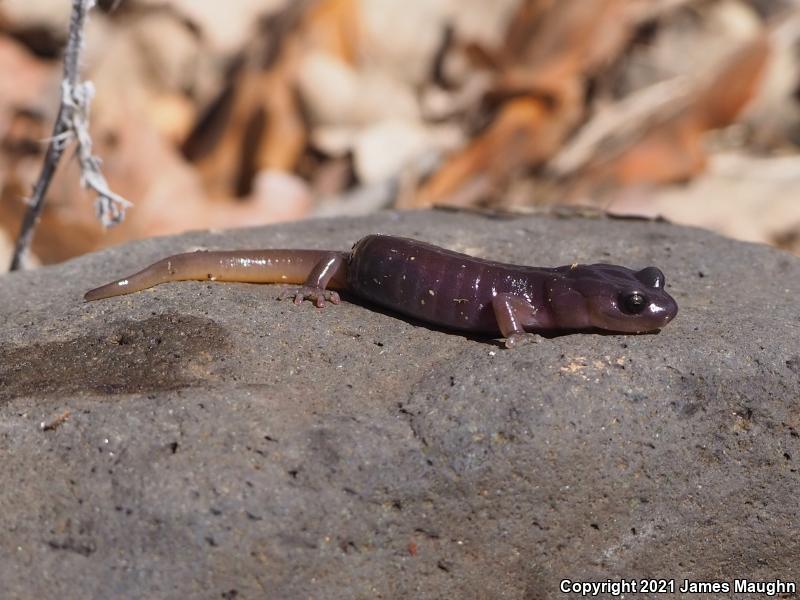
column 250, row 266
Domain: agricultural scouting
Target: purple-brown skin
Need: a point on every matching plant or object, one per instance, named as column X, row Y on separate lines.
column 441, row 287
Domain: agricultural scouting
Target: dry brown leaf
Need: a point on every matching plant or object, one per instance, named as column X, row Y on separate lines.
column 27, row 82
column 28, row 98
column 672, row 149
column 733, row 86
column 541, row 91
column 574, row 38
column 257, row 124
column 744, row 197
column 228, row 144
column 333, row 26
column 525, row 132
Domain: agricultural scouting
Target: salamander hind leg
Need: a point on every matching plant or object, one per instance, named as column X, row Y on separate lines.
column 329, row 269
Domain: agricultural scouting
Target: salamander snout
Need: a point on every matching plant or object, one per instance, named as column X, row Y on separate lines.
column 644, row 310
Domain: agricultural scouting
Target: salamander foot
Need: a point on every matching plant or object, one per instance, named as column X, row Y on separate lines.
column 518, row 339
column 317, row 295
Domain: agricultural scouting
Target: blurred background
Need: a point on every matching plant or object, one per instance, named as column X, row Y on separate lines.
column 211, row 115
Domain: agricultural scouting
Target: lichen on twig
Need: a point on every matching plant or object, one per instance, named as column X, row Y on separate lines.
column 71, row 126
column 110, row 206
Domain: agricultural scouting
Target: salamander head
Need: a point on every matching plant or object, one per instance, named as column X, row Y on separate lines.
column 621, row 299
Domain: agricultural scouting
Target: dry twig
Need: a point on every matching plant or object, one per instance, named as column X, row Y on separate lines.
column 55, row 422
column 72, row 124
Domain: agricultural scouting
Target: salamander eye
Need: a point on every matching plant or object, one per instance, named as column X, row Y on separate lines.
column 633, row 303
column 651, row 277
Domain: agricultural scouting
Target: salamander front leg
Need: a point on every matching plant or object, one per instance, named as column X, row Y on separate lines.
column 513, row 313
column 315, row 287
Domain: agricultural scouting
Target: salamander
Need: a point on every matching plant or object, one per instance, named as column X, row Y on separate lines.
column 446, row 289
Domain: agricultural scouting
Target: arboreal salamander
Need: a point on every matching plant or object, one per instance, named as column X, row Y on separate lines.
column 438, row 286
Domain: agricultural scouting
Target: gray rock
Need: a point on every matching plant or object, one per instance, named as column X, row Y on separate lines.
column 222, row 444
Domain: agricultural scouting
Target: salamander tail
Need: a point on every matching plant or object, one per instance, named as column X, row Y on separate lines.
column 250, row 266
column 152, row 275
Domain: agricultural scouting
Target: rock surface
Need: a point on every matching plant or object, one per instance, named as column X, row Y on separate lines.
column 219, row 443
